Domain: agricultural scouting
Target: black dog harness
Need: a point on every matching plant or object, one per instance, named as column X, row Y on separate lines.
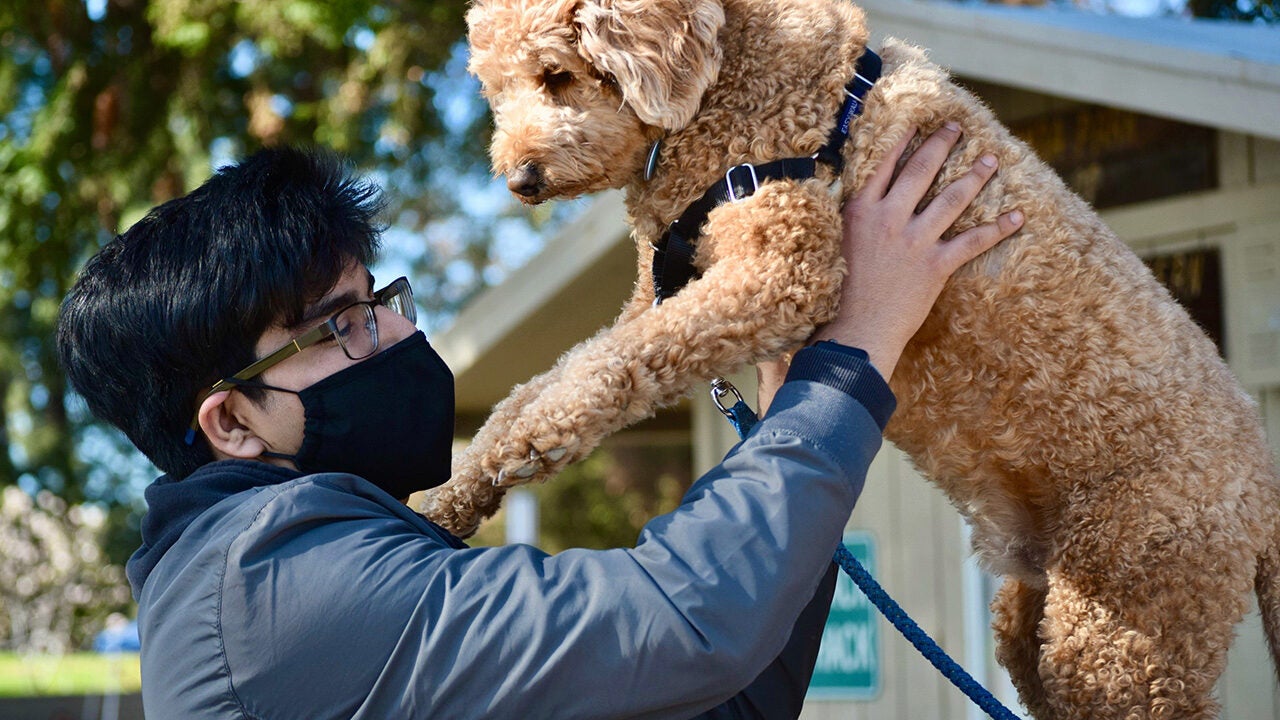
column 673, row 256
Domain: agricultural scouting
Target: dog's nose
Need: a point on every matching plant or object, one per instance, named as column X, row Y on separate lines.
column 525, row 180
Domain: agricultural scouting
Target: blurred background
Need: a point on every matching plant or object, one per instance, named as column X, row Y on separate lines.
column 110, row 107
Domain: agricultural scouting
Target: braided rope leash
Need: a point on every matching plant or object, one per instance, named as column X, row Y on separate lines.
column 743, row 418
column 919, row 638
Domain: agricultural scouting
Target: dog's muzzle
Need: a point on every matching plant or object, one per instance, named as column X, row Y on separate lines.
column 526, row 181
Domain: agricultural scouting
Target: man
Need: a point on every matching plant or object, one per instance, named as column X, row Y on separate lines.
column 236, row 337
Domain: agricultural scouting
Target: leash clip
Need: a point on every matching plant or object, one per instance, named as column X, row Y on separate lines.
column 720, row 389
column 746, row 193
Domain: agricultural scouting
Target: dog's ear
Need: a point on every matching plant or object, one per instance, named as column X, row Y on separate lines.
column 662, row 53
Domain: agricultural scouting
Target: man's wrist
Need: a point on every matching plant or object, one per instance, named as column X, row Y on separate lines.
column 849, row 369
column 883, row 359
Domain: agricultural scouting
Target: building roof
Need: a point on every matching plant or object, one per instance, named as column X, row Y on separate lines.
column 574, row 286
column 1216, row 73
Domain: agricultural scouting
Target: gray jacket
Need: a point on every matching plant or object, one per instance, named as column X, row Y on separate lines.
column 266, row 594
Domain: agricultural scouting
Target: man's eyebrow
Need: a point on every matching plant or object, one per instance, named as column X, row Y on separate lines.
column 323, row 309
column 330, row 305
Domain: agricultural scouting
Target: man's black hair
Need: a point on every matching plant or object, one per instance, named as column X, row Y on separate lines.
column 179, row 300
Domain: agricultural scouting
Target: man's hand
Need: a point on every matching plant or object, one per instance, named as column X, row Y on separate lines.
column 897, row 260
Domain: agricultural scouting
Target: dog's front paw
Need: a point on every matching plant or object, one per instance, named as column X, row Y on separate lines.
column 515, row 466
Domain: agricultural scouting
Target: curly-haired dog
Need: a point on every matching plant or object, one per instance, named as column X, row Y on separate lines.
column 1112, row 469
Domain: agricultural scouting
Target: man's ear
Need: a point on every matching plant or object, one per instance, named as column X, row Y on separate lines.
column 663, row 53
column 222, row 427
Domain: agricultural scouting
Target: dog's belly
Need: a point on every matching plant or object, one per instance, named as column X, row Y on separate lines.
column 1024, row 396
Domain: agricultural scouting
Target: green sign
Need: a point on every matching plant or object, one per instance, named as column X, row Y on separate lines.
column 848, row 665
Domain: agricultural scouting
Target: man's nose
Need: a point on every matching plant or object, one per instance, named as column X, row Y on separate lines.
column 392, row 327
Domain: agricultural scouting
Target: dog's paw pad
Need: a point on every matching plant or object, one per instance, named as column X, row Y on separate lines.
column 557, row 454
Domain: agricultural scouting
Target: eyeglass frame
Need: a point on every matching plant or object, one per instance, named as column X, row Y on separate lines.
column 323, row 331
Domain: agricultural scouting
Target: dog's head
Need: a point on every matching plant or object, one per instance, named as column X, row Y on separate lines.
column 580, row 88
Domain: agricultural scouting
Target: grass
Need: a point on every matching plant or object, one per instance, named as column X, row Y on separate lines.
column 75, row 674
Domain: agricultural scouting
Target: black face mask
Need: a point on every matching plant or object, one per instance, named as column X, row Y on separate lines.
column 387, row 419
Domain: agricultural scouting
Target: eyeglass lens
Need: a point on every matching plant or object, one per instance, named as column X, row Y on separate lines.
column 398, row 297
column 356, row 328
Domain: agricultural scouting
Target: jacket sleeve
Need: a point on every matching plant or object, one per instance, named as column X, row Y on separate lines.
column 780, row 690
column 704, row 603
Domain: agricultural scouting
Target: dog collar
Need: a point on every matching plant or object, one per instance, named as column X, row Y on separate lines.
column 673, row 266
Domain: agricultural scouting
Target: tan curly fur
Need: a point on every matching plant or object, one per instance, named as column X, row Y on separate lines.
column 1111, row 467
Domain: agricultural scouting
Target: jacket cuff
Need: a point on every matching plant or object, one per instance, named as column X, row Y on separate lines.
column 849, row 370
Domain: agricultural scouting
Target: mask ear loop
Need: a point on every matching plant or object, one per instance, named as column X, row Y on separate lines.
column 190, row 438
column 263, row 386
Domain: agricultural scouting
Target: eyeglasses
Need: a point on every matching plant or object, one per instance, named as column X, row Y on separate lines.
column 354, row 327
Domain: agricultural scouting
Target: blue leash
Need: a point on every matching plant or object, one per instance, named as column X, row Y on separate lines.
column 743, row 418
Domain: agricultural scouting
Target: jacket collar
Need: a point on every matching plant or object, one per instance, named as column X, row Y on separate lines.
column 173, row 504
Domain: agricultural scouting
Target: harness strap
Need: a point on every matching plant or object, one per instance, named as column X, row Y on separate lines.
column 673, row 266
column 864, row 78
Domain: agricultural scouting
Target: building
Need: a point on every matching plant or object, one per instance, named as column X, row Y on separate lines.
column 1171, row 128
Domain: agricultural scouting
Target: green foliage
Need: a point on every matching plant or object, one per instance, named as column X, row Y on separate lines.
column 110, row 107
column 605, row 500
column 1256, row 11
column 74, row 674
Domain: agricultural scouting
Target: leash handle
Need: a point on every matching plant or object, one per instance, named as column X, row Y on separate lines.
column 743, row 419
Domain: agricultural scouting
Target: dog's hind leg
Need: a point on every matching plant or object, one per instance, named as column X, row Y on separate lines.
column 1018, row 610
column 1141, row 605
column 1098, row 663
column 1267, row 585
column 774, row 274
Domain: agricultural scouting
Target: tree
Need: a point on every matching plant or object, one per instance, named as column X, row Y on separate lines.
column 58, row 586
column 1258, row 11
column 605, row 500
column 109, row 107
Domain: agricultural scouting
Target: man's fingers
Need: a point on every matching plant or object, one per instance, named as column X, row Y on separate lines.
column 949, row 204
column 973, row 242
column 878, row 184
column 922, row 167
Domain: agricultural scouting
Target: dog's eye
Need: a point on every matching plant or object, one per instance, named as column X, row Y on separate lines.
column 556, row 79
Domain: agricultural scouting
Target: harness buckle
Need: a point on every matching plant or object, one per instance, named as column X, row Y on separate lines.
column 746, row 192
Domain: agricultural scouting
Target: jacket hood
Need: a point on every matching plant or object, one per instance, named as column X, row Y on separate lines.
column 172, row 505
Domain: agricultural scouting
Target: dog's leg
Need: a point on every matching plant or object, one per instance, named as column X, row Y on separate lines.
column 1018, row 609
column 774, row 273
column 461, row 504
column 1138, row 617
column 1267, row 585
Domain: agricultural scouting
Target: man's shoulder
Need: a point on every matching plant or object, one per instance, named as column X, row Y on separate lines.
column 330, row 567
column 334, row 505
column 320, row 567
column 315, row 526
